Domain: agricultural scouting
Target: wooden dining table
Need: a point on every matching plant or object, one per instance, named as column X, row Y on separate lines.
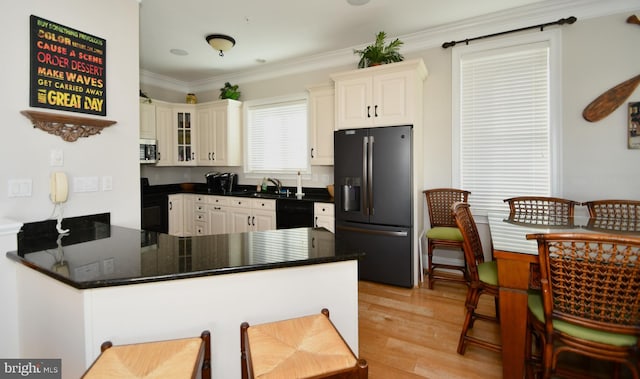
column 518, row 271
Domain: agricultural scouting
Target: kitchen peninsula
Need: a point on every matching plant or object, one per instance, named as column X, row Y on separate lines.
column 102, row 282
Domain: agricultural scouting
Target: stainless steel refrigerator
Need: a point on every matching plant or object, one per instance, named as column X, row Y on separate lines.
column 374, row 202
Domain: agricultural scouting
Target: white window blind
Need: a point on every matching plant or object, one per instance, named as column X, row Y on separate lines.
column 504, row 124
column 277, row 137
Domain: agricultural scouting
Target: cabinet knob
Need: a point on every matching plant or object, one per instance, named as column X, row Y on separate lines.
column 375, row 111
column 312, row 153
column 368, row 111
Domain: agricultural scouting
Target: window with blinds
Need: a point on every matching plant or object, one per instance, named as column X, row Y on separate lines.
column 277, row 137
column 503, row 126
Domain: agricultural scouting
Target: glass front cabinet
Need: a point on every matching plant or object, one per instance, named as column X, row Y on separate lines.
column 185, row 138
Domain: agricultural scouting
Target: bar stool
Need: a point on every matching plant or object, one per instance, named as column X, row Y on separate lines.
column 176, row 359
column 304, row 347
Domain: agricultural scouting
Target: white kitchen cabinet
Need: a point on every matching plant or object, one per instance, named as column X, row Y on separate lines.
column 164, row 134
column 188, row 204
column 324, row 216
column 263, row 215
column 239, row 215
column 176, row 215
column 181, row 214
column 321, row 124
column 384, row 95
column 246, row 215
column 147, row 120
column 219, row 133
column 200, row 215
column 185, row 136
column 218, row 214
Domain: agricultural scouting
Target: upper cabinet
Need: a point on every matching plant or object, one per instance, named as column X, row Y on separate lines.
column 147, row 120
column 207, row 134
column 383, row 95
column 321, row 124
column 184, row 133
column 164, row 134
column 219, row 133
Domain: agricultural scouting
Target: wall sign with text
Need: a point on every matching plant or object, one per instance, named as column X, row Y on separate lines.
column 68, row 69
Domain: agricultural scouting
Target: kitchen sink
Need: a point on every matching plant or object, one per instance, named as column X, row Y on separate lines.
column 261, row 195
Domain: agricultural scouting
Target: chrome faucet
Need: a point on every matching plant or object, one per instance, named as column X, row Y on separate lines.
column 277, row 183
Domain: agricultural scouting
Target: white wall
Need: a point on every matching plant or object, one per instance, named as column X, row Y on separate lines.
column 24, row 150
column 599, row 54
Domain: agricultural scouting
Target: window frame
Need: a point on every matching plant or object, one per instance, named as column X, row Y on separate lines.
column 265, row 102
column 553, row 38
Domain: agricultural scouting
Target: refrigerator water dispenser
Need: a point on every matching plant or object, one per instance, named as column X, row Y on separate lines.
column 351, row 195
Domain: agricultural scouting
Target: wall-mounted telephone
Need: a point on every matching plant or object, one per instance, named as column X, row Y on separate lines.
column 59, row 187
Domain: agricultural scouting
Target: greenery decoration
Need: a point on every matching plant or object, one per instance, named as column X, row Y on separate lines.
column 379, row 53
column 229, row 91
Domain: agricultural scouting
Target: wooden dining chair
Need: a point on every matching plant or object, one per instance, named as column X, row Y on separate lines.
column 542, row 209
column 541, row 204
column 590, row 303
column 483, row 278
column 618, row 209
column 443, row 232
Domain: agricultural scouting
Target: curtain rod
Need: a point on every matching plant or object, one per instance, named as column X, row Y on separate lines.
column 562, row 21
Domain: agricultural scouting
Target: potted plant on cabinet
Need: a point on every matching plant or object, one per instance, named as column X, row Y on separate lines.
column 229, row 91
column 379, row 53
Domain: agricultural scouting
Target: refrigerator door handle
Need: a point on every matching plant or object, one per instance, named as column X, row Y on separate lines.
column 370, row 176
column 365, row 180
column 389, row 233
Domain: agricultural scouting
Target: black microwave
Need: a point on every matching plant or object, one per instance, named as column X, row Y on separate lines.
column 148, row 151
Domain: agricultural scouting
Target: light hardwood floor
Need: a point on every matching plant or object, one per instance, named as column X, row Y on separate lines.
column 413, row 333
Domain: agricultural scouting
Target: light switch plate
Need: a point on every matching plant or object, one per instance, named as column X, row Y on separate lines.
column 56, row 158
column 19, row 187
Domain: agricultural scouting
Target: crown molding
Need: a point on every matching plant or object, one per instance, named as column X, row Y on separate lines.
column 515, row 18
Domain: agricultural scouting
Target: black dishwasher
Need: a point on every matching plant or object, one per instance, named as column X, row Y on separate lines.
column 291, row 213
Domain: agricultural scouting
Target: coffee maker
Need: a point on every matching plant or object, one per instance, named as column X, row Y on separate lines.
column 221, row 183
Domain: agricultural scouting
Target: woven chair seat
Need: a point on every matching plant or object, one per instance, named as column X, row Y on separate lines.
column 298, row 348
column 163, row 359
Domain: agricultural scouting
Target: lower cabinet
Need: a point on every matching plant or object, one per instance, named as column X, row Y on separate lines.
column 323, row 216
column 192, row 215
column 176, row 215
column 247, row 215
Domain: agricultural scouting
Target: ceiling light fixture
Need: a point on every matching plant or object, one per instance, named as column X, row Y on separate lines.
column 220, row 42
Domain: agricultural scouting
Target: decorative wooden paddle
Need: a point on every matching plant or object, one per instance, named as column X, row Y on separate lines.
column 609, row 101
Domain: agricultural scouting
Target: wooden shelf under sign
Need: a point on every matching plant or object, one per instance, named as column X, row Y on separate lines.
column 69, row 128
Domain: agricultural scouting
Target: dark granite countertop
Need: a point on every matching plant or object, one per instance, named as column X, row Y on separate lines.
column 96, row 254
column 311, row 193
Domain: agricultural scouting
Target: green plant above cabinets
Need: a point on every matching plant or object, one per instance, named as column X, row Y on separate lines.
column 229, row 92
column 379, row 53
